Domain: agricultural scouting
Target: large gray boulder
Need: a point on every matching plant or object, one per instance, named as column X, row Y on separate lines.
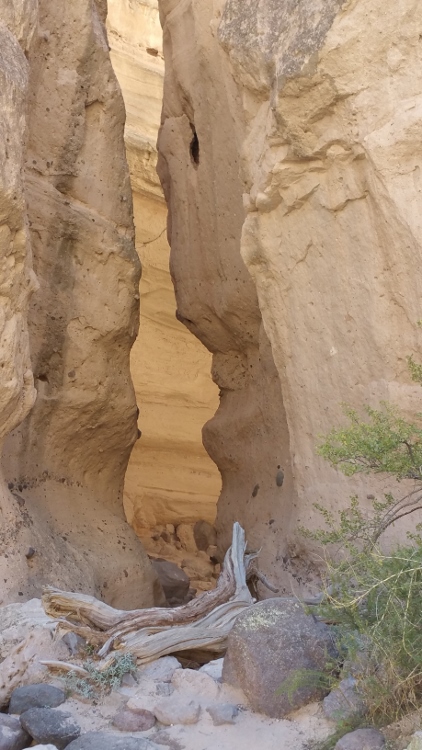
column 272, row 642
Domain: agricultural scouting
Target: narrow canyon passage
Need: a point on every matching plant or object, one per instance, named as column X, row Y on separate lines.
column 170, row 479
column 293, row 231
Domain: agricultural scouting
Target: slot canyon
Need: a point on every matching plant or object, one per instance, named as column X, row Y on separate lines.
column 287, row 162
column 210, row 374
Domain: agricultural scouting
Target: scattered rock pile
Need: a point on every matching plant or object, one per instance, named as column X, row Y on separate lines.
column 226, row 703
column 184, row 558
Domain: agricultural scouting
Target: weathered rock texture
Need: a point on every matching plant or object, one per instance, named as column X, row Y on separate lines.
column 289, row 154
column 66, row 178
column 170, row 477
column 17, row 393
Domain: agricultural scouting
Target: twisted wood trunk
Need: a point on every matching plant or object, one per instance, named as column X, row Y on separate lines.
column 203, row 624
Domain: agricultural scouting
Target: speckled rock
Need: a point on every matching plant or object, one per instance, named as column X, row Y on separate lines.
column 47, row 725
column 35, row 696
column 269, row 642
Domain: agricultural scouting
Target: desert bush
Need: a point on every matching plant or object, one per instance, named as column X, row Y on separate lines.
column 100, row 682
column 374, row 597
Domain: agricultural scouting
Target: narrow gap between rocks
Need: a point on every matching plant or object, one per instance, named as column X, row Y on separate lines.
column 171, row 486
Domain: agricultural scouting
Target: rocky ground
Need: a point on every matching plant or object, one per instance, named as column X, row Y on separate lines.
column 227, row 703
column 188, row 710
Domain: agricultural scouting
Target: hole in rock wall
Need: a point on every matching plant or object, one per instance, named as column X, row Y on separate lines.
column 171, row 486
column 194, row 146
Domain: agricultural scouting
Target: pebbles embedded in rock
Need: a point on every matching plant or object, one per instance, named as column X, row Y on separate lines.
column 35, row 696
column 47, row 725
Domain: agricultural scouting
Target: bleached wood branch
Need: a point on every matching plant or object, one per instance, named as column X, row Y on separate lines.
column 202, row 624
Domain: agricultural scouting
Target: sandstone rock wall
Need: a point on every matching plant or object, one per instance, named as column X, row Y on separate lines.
column 290, row 158
column 65, row 464
column 170, row 478
column 17, row 393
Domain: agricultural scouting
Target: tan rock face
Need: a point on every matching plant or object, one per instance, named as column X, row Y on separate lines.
column 17, row 393
column 291, row 140
column 65, row 464
column 170, row 477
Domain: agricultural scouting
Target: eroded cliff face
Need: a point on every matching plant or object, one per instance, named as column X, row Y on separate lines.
column 170, row 478
column 65, row 189
column 290, row 160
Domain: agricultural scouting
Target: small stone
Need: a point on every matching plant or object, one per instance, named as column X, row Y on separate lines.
column 106, row 741
column 223, row 713
column 164, row 689
column 186, row 537
column 128, row 680
column 170, row 528
column 205, row 535
column 35, row 696
column 214, row 669
column 344, row 703
column 134, row 721
column 74, row 643
column 160, row 670
column 47, row 725
column 361, row 739
column 12, row 735
column 43, row 747
column 176, row 711
column 163, row 738
column 174, row 580
column 191, row 680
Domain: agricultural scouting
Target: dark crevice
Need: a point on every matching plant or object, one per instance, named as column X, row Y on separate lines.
column 194, row 147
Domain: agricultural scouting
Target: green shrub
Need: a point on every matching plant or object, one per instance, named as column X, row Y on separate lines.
column 100, row 682
column 374, row 597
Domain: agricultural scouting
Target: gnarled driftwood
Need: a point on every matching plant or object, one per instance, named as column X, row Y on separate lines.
column 202, row 624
